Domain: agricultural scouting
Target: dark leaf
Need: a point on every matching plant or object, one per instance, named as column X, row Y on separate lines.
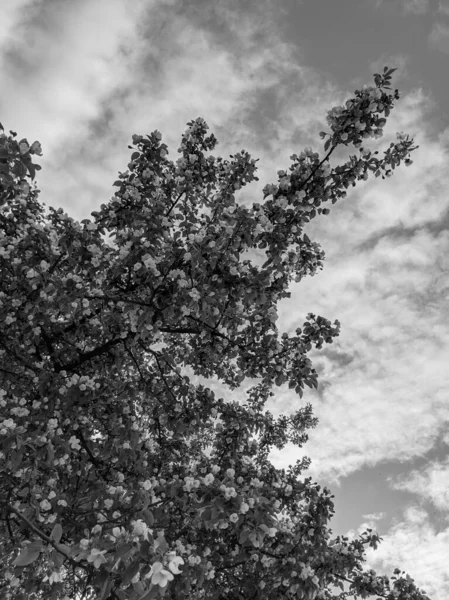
column 130, row 572
column 56, row 533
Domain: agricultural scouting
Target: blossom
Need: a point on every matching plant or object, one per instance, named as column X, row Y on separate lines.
column 53, row 578
column 244, row 508
column 96, row 557
column 208, row 479
column 159, row 575
column 74, row 443
column 140, row 528
column 118, row 532
column 174, row 563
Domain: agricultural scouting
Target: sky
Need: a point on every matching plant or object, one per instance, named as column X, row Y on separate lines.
column 83, row 76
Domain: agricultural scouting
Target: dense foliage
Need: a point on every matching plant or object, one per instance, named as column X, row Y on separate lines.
column 121, row 477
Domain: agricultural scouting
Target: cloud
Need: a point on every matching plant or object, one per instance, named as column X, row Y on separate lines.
column 443, row 7
column 415, row 547
column 430, row 483
column 439, row 37
column 374, row 516
column 416, row 7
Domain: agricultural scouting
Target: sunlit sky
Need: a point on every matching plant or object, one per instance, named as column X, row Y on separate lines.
column 82, row 76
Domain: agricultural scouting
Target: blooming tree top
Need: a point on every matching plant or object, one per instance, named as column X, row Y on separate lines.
column 107, row 488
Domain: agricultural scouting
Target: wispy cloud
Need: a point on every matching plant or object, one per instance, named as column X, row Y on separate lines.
column 416, row 7
column 439, row 37
column 430, row 483
column 443, row 7
column 408, row 7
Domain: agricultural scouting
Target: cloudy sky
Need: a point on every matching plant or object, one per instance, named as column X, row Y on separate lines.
column 82, row 76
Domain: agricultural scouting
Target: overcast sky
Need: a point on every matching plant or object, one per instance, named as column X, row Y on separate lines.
column 82, row 76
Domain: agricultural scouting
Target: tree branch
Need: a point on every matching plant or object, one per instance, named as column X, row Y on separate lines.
column 45, row 537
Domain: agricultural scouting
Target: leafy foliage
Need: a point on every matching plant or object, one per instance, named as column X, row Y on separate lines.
column 122, row 478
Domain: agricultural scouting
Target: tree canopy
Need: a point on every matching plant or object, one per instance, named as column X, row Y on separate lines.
column 122, row 477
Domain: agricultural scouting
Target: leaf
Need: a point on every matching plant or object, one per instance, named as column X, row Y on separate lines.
column 244, row 535
column 130, row 572
column 57, row 558
column 151, row 593
column 17, row 459
column 145, row 547
column 207, row 514
column 139, row 587
column 122, row 550
column 56, row 533
column 327, row 144
column 18, row 169
column 26, row 557
column 35, row 545
column 105, row 589
column 32, row 170
column 64, row 550
column 280, row 379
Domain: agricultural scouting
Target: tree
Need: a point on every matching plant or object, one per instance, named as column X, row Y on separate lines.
column 121, row 476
